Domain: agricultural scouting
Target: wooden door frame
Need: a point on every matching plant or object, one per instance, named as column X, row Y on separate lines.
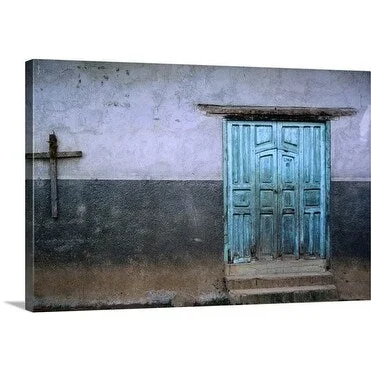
column 282, row 113
column 328, row 190
column 327, row 180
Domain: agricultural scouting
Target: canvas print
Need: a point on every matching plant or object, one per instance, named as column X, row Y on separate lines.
column 154, row 185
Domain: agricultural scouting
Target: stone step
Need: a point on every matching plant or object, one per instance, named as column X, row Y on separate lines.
column 278, row 280
column 294, row 294
column 276, row 267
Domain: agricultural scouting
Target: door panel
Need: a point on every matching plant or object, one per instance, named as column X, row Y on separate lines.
column 266, row 201
column 288, row 202
column 313, row 191
column 275, row 189
column 240, row 193
column 264, row 135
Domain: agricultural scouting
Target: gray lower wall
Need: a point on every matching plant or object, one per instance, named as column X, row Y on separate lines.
column 116, row 222
column 122, row 243
column 128, row 242
column 350, row 220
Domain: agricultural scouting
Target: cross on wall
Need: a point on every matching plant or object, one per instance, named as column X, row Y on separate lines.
column 52, row 156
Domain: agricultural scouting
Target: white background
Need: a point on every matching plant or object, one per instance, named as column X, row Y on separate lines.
column 311, row 34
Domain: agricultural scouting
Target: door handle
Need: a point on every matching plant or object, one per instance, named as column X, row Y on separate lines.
column 288, row 211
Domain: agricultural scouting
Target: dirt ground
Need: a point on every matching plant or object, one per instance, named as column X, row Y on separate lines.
column 352, row 278
column 114, row 286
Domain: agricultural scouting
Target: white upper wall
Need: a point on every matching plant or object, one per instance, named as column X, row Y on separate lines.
column 140, row 121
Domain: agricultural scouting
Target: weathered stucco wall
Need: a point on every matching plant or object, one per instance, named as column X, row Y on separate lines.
column 140, row 121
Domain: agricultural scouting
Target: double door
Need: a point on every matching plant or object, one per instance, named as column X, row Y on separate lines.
column 275, row 190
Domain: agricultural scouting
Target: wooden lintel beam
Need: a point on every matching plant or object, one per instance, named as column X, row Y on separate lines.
column 277, row 113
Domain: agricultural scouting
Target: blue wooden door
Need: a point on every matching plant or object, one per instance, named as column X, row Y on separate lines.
column 275, row 182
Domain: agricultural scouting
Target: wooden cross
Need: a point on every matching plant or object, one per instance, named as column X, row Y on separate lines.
column 52, row 156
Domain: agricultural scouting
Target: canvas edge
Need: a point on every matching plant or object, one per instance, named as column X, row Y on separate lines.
column 29, row 190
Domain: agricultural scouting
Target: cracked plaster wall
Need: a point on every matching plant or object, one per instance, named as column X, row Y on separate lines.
column 140, row 121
